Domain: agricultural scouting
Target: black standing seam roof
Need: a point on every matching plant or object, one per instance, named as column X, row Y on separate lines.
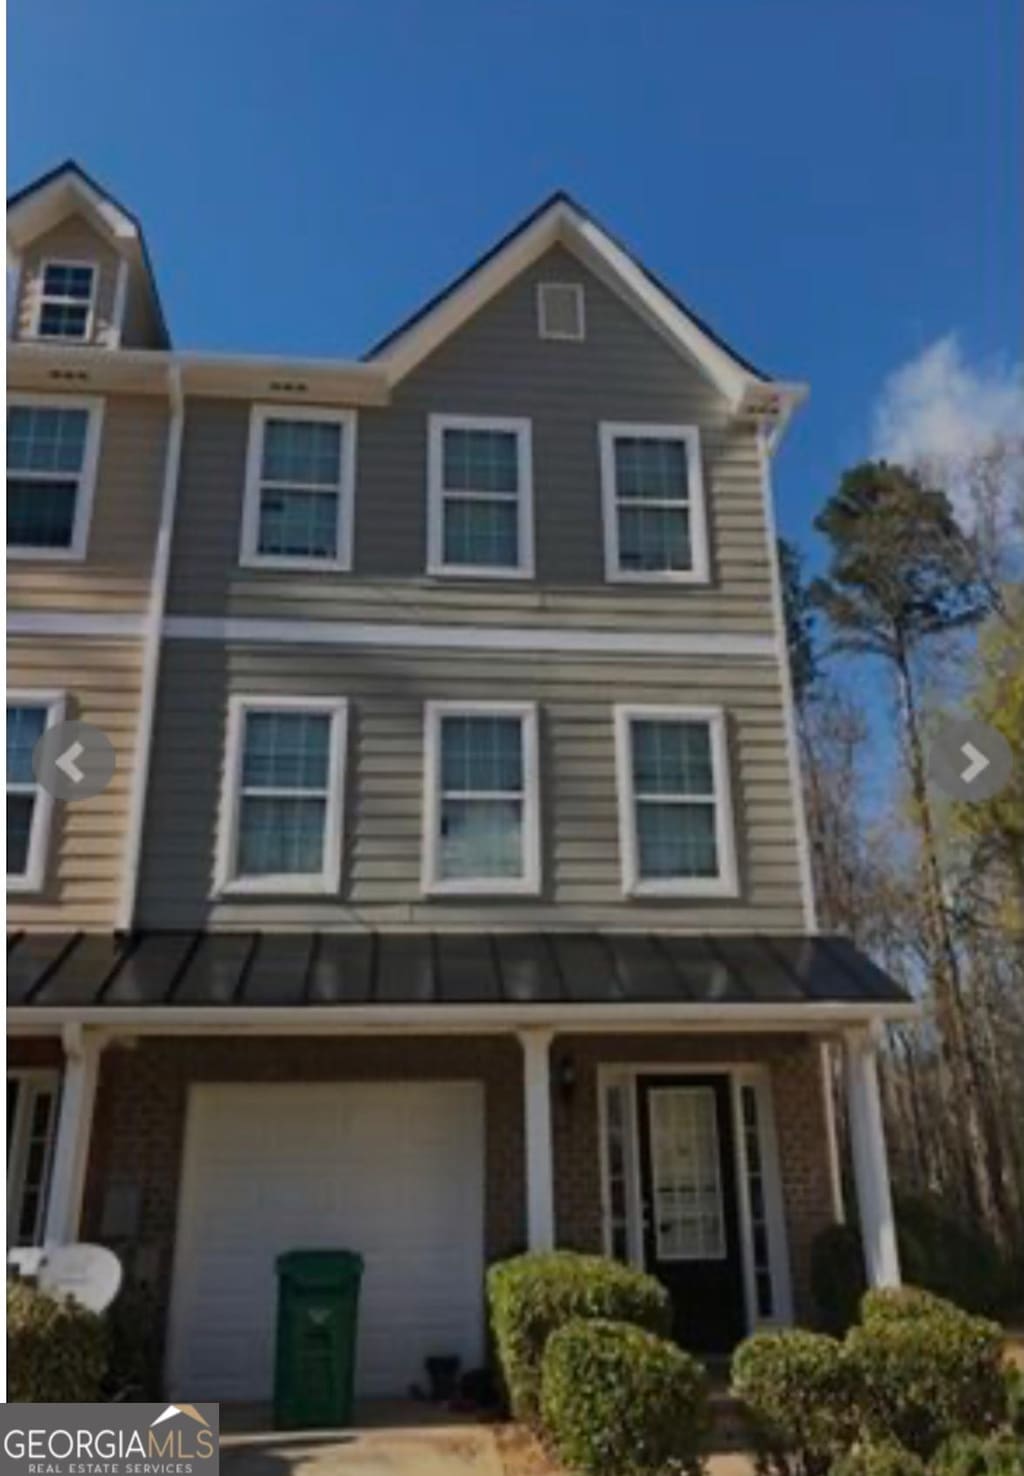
column 255, row 970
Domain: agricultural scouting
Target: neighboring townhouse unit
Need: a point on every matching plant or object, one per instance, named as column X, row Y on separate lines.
column 452, row 893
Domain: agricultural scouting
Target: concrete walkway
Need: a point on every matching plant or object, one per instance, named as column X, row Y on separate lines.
column 456, row 1450
column 441, row 1450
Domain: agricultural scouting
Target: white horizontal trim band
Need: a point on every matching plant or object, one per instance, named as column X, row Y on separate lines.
column 315, row 1019
column 470, row 638
column 75, row 623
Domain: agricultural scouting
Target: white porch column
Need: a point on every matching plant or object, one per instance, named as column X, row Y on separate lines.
column 540, row 1190
column 870, row 1165
column 74, row 1129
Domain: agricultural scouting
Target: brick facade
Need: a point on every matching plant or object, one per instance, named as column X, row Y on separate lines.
column 139, row 1124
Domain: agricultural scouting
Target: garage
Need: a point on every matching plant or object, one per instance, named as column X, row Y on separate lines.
column 393, row 1170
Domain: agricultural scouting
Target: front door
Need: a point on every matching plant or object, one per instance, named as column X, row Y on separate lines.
column 690, row 1220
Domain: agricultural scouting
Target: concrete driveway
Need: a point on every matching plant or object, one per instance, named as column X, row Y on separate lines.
column 456, row 1450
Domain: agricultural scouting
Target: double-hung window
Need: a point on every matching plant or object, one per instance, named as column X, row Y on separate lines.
column 482, row 822
column 52, row 450
column 299, row 488
column 31, row 1129
column 281, row 809
column 675, row 813
column 65, row 308
column 480, row 497
column 29, row 806
column 653, row 496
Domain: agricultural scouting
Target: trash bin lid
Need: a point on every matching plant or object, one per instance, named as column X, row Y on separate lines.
column 320, row 1267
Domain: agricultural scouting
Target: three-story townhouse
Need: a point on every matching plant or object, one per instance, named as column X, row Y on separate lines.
column 463, row 899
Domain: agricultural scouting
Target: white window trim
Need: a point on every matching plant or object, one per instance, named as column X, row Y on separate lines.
column 576, row 288
column 42, row 299
column 633, row 884
column 36, row 1079
column 34, row 876
column 740, row 1074
column 85, row 497
column 249, row 554
column 436, row 494
column 227, row 881
column 433, row 883
column 609, row 431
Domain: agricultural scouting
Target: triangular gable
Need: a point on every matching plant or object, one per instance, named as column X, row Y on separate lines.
column 64, row 191
column 560, row 220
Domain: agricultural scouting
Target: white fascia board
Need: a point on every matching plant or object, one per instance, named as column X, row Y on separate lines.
column 561, row 223
column 53, row 201
column 417, row 1019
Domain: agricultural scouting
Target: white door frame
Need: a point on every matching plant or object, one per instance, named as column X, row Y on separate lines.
column 740, row 1074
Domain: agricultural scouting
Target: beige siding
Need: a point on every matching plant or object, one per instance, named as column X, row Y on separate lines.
column 114, row 576
column 86, row 849
column 496, row 364
column 381, row 869
column 72, row 240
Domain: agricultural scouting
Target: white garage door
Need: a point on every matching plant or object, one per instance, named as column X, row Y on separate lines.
column 393, row 1170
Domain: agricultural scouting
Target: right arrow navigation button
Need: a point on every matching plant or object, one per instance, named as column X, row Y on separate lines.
column 969, row 760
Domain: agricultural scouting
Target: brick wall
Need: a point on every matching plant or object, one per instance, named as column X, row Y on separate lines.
column 140, row 1118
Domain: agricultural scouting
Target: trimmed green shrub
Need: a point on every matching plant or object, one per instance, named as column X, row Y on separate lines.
column 619, row 1401
column 878, row 1460
column 837, row 1277
column 532, row 1295
column 926, row 1375
column 971, row 1455
column 797, row 1393
column 1015, row 1399
column 900, row 1303
column 56, row 1350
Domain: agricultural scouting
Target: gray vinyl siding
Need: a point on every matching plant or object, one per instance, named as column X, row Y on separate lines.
column 496, row 364
column 113, row 578
column 384, row 791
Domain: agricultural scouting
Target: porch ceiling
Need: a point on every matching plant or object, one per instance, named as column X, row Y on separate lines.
column 355, row 970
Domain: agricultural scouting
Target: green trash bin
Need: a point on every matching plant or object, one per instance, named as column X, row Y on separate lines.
column 317, row 1317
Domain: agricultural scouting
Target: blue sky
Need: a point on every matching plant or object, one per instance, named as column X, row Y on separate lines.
column 834, row 185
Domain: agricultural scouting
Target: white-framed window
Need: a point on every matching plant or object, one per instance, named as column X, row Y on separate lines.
column 281, row 805
column 64, row 308
column 480, row 497
column 32, row 1097
column 299, row 488
column 652, row 485
column 482, row 798
column 29, row 806
column 561, row 311
column 675, row 811
column 53, row 444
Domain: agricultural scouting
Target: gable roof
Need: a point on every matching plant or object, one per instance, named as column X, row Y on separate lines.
column 49, row 199
column 562, row 220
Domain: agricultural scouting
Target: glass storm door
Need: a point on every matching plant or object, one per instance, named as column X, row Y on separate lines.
column 690, row 1220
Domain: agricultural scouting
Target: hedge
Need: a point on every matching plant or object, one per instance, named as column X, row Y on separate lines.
column 971, row 1455
column 56, row 1350
column 531, row 1296
column 924, row 1373
column 619, row 1401
column 878, row 1460
column 799, row 1399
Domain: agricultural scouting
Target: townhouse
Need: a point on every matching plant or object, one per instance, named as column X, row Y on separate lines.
column 451, row 894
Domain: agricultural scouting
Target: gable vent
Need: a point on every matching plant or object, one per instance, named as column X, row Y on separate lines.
column 560, row 310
